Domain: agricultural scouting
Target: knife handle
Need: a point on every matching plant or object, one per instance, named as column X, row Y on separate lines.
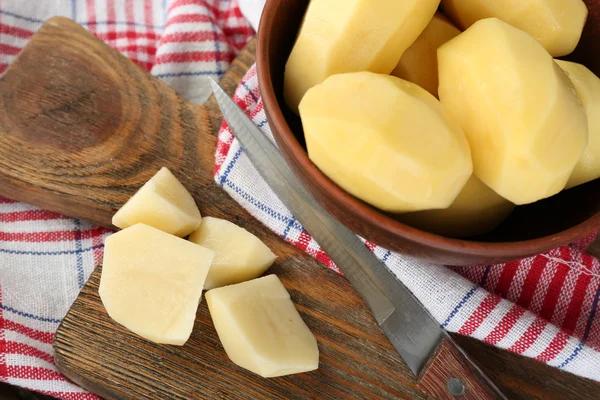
column 451, row 375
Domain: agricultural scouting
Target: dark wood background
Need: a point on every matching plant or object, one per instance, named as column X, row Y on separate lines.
column 9, row 392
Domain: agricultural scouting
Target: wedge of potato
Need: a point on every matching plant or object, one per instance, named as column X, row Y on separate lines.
column 260, row 328
column 476, row 210
column 340, row 36
column 239, row 255
column 588, row 87
column 556, row 24
column 151, row 282
column 163, row 203
column 524, row 121
column 386, row 141
column 419, row 62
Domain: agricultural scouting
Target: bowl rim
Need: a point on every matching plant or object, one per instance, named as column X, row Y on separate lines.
column 368, row 213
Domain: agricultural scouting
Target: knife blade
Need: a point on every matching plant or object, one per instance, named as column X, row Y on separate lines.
column 411, row 329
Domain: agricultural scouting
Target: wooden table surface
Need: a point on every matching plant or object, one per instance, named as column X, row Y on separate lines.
column 517, row 376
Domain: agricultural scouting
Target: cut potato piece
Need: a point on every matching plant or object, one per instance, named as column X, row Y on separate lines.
column 588, row 86
column 419, row 62
column 476, row 210
column 556, row 24
column 340, row 36
column 239, row 255
column 522, row 116
column 152, row 282
column 386, row 141
column 261, row 329
column 163, row 203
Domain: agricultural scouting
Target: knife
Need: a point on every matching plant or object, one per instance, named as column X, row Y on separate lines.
column 441, row 367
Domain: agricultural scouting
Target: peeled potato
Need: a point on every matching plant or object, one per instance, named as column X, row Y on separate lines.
column 239, row 255
column 340, row 36
column 523, row 119
column 419, row 62
column 476, row 210
column 260, row 328
column 588, row 86
column 556, row 24
column 163, row 203
column 152, row 282
column 386, row 141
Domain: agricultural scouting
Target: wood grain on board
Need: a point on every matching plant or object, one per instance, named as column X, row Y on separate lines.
column 81, row 128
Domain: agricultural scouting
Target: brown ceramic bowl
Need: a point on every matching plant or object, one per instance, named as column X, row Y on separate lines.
column 530, row 230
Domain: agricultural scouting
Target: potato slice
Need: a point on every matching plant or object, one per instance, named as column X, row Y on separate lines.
column 588, row 86
column 164, row 203
column 152, row 282
column 476, row 210
column 260, row 328
column 340, row 36
column 239, row 255
column 419, row 62
column 524, row 121
column 556, row 24
column 386, row 141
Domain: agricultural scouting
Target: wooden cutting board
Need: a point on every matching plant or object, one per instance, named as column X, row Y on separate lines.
column 81, row 129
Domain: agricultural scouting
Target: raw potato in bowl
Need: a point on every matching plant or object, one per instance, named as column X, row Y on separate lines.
column 522, row 116
column 340, row 36
column 588, row 87
column 476, row 210
column 385, row 140
column 419, row 62
column 555, row 24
